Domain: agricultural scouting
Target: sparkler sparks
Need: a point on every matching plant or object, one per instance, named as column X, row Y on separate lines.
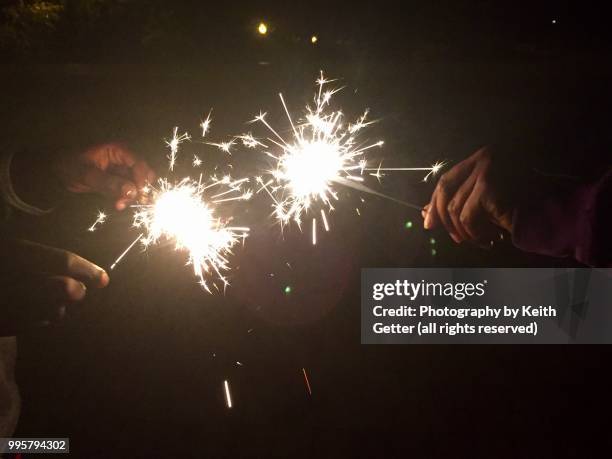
column 224, row 146
column 205, row 125
column 173, row 144
column 181, row 214
column 324, row 150
column 186, row 213
column 99, row 220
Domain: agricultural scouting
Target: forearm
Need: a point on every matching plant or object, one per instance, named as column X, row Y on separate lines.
column 573, row 221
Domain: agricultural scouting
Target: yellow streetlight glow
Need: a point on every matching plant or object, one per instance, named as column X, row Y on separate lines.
column 314, row 39
column 262, row 28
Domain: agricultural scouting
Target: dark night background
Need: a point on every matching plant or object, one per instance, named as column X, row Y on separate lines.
column 138, row 370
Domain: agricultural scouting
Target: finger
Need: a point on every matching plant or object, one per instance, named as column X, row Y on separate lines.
column 47, row 299
column 63, row 289
column 473, row 217
column 85, row 271
column 425, row 211
column 142, row 174
column 431, row 219
column 455, row 206
column 137, row 169
column 32, row 257
column 121, row 189
column 444, row 191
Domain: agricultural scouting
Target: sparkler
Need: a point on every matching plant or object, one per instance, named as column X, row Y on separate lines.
column 181, row 214
column 186, row 213
column 323, row 151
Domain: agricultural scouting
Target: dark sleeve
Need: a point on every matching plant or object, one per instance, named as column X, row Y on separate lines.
column 571, row 220
column 9, row 199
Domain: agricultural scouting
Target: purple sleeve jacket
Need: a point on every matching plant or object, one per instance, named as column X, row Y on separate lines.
column 573, row 221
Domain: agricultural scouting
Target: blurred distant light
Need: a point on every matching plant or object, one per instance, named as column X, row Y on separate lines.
column 314, row 39
column 262, row 28
column 288, row 289
column 408, row 224
column 554, row 21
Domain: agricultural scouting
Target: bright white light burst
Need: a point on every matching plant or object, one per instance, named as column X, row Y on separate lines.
column 181, row 214
column 324, row 150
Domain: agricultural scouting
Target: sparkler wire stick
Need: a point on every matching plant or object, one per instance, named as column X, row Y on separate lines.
column 366, row 189
column 126, row 251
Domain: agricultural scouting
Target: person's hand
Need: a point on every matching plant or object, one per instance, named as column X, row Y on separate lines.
column 109, row 169
column 39, row 282
column 467, row 202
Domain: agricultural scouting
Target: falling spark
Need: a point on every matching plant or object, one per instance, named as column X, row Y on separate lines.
column 181, row 214
column 173, row 144
column 99, row 220
column 323, row 150
column 197, row 162
column 314, row 231
column 228, row 396
column 307, row 382
column 324, row 218
column 205, row 125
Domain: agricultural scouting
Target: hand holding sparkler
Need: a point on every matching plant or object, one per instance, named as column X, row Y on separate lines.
column 39, row 282
column 110, row 169
column 467, row 202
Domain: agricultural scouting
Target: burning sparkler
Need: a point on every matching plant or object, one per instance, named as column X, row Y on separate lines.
column 180, row 213
column 323, row 151
column 186, row 213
